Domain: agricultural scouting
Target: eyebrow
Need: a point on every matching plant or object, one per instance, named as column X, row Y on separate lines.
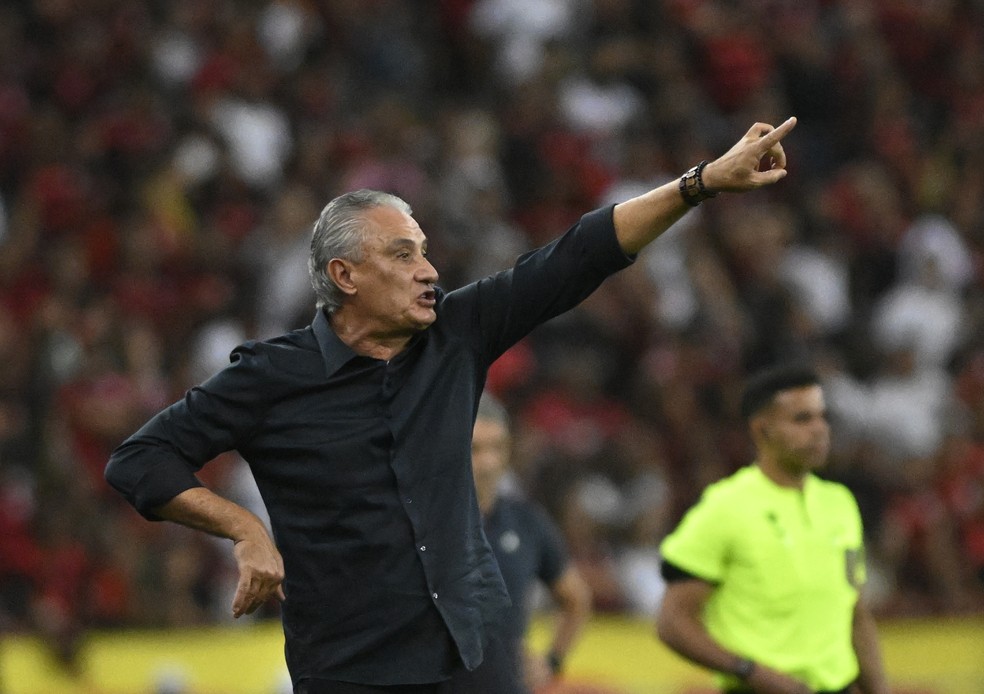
column 400, row 243
column 806, row 414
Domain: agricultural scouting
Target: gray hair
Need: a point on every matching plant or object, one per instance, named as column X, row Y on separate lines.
column 339, row 233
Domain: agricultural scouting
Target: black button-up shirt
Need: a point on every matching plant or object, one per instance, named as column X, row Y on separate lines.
column 528, row 548
column 364, row 466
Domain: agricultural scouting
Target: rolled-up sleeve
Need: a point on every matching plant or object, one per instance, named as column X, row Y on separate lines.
column 160, row 460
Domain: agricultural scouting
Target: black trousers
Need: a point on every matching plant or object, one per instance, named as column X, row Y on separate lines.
column 332, row 687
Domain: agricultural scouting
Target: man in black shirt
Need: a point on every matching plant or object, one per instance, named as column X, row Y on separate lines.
column 358, row 430
column 529, row 549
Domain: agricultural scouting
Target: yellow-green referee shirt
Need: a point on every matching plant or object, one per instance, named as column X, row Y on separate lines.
column 787, row 565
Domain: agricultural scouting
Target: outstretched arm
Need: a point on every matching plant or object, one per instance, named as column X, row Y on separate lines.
column 756, row 160
column 261, row 570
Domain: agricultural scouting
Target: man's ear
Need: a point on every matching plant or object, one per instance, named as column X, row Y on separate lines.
column 340, row 272
column 760, row 428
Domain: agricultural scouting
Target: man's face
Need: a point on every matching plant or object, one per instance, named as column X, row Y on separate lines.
column 395, row 281
column 795, row 429
column 490, row 453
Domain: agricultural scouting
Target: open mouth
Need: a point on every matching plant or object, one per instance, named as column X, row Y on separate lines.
column 428, row 298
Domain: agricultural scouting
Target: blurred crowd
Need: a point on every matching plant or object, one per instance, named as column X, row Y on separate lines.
column 162, row 162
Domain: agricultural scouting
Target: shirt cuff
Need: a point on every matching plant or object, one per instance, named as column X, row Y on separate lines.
column 598, row 227
column 161, row 483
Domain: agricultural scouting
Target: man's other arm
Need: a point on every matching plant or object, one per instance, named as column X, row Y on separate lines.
column 261, row 569
column 864, row 634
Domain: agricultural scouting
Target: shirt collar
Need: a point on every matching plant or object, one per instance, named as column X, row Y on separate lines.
column 766, row 483
column 335, row 352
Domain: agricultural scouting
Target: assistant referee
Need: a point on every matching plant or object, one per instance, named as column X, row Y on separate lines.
column 764, row 572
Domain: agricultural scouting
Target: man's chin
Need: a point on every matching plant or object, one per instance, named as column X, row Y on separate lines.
column 818, row 462
column 424, row 320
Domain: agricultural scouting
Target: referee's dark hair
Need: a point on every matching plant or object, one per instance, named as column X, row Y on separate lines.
column 762, row 386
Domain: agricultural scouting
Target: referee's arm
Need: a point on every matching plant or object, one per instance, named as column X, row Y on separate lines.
column 872, row 678
column 680, row 626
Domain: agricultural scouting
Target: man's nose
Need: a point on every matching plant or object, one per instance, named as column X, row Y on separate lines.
column 427, row 273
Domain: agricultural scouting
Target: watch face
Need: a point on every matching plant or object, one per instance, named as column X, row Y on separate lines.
column 690, row 187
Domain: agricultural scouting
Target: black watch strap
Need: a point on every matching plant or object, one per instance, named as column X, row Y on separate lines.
column 692, row 187
column 555, row 662
column 743, row 668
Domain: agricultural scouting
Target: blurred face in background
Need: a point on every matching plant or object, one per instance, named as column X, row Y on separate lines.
column 490, row 458
column 793, row 434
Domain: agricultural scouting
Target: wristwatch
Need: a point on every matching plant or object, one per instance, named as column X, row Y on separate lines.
column 692, row 187
column 743, row 669
column 555, row 662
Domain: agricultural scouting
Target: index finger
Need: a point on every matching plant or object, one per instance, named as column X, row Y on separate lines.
column 772, row 138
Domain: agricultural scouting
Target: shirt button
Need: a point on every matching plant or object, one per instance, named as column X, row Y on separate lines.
column 434, row 595
column 423, row 548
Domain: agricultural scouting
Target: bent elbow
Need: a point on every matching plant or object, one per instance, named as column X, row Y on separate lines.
column 665, row 628
column 114, row 473
column 123, row 471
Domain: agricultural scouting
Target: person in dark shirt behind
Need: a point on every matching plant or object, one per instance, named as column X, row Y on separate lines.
column 357, row 430
column 529, row 549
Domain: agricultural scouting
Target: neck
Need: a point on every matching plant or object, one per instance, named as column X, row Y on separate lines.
column 364, row 340
column 781, row 476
